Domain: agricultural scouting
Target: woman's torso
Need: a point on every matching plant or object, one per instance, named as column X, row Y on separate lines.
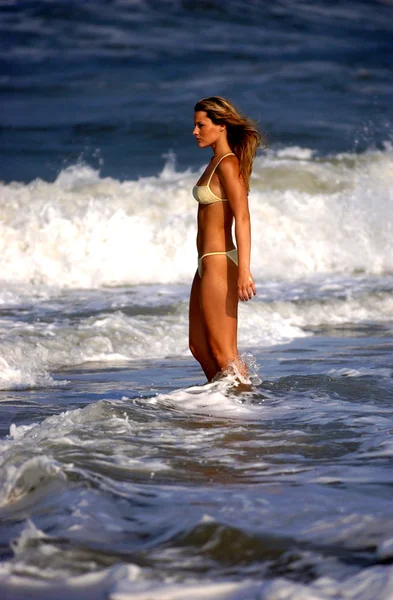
column 214, row 219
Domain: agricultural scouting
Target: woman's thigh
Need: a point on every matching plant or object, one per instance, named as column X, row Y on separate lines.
column 219, row 302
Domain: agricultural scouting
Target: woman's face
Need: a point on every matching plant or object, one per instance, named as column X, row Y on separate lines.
column 205, row 131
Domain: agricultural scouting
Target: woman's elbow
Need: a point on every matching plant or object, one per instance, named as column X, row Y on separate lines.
column 242, row 218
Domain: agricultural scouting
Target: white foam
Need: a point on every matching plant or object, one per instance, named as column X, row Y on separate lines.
column 361, row 372
column 218, row 398
column 19, row 373
column 18, row 482
column 127, row 582
column 280, row 313
column 65, row 430
column 309, row 215
column 33, row 350
column 295, row 152
column 191, row 591
column 323, row 215
column 22, row 581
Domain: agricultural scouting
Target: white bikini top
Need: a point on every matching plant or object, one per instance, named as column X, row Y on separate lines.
column 203, row 193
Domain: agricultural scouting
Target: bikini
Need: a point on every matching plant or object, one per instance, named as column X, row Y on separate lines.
column 204, row 195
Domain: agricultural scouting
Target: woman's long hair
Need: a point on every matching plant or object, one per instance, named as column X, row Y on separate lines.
column 243, row 135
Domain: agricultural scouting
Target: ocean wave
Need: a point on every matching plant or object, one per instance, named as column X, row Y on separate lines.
column 121, row 328
column 309, row 215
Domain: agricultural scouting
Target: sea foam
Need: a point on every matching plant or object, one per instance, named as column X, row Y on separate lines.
column 309, row 215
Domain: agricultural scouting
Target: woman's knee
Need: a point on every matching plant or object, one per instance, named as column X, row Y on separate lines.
column 194, row 349
column 198, row 349
column 223, row 356
column 205, row 358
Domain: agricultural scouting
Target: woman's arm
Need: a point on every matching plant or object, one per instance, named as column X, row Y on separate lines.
column 235, row 192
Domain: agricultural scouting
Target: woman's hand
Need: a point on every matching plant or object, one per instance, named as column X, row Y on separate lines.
column 245, row 286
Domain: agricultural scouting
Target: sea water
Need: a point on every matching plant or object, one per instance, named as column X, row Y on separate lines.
column 123, row 474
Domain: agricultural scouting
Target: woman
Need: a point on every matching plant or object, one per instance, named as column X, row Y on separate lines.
column 223, row 276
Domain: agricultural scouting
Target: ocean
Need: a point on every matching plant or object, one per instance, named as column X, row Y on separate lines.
column 123, row 474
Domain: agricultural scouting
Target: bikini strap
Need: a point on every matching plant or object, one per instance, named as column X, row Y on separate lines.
column 215, row 167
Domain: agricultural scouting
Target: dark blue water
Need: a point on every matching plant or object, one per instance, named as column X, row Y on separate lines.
column 113, row 83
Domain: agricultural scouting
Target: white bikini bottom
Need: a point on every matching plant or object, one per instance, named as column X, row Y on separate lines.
column 231, row 254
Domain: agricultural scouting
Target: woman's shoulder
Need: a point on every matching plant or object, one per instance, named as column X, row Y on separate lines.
column 228, row 166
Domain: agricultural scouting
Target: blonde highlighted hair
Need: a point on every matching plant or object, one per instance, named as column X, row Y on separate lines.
column 242, row 133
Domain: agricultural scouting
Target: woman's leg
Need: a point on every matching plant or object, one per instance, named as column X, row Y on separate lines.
column 219, row 302
column 197, row 333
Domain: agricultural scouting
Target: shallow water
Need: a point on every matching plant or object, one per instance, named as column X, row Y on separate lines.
column 284, row 488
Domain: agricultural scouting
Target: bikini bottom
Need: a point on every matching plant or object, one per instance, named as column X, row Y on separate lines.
column 231, row 254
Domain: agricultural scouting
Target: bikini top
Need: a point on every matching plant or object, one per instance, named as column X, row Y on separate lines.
column 203, row 193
